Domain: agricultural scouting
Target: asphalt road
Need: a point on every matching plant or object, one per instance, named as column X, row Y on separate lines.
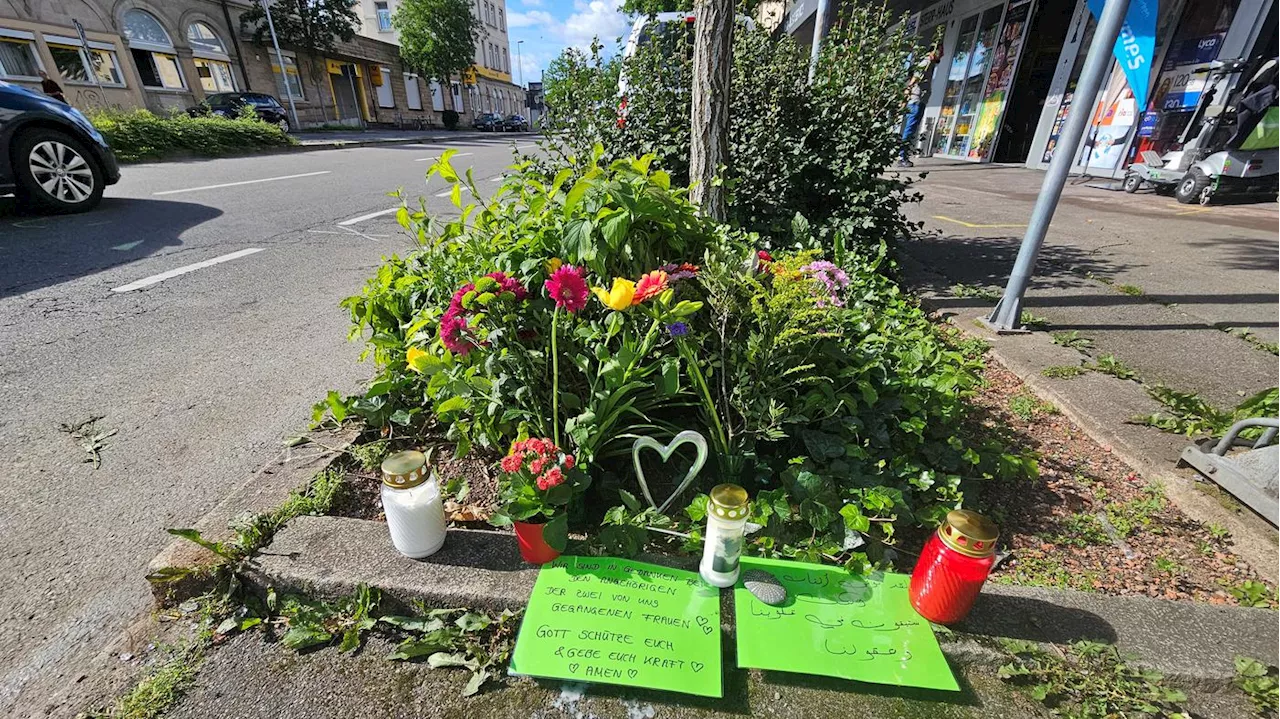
column 200, row 373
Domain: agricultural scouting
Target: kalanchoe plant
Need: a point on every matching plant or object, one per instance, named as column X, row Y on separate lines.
column 538, row 480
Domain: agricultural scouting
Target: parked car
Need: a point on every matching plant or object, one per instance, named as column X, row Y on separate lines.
column 515, row 123
column 488, row 122
column 230, row 105
column 51, row 156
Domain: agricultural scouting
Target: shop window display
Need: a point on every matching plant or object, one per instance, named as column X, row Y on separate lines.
column 966, row 78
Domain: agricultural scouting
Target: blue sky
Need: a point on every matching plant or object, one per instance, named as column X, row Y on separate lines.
column 547, row 27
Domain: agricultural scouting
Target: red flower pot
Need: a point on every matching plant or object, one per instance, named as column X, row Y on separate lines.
column 533, row 547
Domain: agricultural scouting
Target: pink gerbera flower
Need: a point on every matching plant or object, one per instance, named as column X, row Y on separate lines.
column 509, row 284
column 568, row 288
column 453, row 333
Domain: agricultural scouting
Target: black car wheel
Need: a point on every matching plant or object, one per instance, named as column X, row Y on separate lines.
column 283, row 124
column 1194, row 188
column 55, row 172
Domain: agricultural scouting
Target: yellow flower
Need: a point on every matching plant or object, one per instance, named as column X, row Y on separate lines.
column 552, row 265
column 412, row 356
column 619, row 297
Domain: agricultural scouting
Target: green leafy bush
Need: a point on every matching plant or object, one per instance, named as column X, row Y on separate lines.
column 450, row 119
column 816, row 150
column 137, row 135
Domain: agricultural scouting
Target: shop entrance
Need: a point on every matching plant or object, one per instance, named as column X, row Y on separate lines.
column 344, row 80
column 1035, row 75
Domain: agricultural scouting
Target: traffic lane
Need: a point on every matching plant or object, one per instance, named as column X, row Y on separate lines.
column 136, row 225
column 201, row 375
column 201, row 382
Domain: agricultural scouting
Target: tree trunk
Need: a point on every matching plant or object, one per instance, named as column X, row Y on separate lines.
column 709, row 124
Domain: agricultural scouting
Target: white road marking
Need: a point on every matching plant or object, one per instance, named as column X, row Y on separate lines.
column 242, row 182
column 148, row 281
column 449, row 191
column 370, row 216
column 348, row 232
column 127, row 246
column 458, row 154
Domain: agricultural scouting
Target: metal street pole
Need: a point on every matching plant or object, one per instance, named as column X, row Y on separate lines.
column 284, row 71
column 1008, row 311
column 520, row 62
column 819, row 27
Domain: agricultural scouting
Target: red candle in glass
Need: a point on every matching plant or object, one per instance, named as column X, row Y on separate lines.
column 953, row 566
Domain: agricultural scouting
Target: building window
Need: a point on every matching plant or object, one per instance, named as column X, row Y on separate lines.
column 384, row 16
column 210, row 58
column 437, row 96
column 215, row 76
column 412, row 92
column 69, row 60
column 386, row 98
column 291, row 73
column 18, row 58
column 204, row 40
column 502, row 20
column 152, row 51
column 506, row 63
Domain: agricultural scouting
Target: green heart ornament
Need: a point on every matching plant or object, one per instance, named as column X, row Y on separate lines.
column 686, row 437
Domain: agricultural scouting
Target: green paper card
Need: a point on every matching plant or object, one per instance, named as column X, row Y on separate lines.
column 839, row 624
column 615, row 621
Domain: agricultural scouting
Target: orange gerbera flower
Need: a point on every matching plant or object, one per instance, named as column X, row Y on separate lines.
column 650, row 286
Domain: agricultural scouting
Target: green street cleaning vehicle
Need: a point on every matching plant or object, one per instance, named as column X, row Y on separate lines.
column 1228, row 149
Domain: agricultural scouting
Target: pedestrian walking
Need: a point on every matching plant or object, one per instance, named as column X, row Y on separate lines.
column 52, row 88
column 917, row 94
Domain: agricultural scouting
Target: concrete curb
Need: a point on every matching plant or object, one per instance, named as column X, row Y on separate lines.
column 1193, row 643
column 1152, row 454
column 266, row 489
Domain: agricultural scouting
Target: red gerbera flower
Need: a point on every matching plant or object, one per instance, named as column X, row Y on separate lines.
column 650, row 286
column 568, row 288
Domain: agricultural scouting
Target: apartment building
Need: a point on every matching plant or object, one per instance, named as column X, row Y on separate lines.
column 488, row 86
column 169, row 55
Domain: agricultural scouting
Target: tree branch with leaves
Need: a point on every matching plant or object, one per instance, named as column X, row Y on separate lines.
column 438, row 37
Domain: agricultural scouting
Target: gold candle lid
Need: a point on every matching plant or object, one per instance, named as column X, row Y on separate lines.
column 728, row 501
column 404, row 470
column 969, row 533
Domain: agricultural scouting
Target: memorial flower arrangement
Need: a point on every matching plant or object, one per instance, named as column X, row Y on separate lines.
column 589, row 305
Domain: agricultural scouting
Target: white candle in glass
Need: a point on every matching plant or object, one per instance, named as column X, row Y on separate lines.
column 726, row 526
column 413, row 505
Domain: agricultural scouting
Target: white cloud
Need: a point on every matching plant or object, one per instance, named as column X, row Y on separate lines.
column 532, row 18
column 598, row 18
column 531, row 3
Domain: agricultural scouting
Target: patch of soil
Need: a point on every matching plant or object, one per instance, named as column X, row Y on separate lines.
column 362, row 492
column 1090, row 522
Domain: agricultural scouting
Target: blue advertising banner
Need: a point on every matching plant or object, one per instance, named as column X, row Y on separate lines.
column 1136, row 46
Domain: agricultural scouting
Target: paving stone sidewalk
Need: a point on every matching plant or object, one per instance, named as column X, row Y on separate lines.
column 1155, row 283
